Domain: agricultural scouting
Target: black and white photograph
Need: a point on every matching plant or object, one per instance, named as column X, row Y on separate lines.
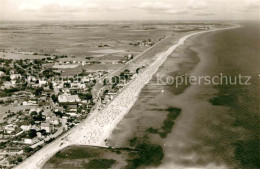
column 130, row 84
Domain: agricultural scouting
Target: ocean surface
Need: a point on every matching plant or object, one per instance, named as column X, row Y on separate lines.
column 218, row 126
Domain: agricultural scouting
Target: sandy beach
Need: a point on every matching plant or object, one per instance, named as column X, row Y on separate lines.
column 98, row 127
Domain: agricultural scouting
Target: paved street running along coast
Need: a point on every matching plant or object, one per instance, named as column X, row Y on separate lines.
column 97, row 128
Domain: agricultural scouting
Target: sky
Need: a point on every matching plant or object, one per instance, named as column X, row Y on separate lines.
column 129, row 10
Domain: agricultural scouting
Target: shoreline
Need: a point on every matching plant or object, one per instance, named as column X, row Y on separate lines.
column 90, row 125
column 165, row 55
column 207, row 123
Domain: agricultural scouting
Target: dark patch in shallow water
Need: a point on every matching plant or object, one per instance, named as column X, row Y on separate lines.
column 146, row 154
column 245, row 117
column 167, row 123
column 240, row 55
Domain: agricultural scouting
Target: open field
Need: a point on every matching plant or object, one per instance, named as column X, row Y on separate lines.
column 76, row 39
column 17, row 56
column 4, row 109
column 84, row 156
column 101, row 42
column 65, row 66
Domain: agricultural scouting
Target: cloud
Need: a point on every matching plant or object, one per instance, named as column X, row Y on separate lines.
column 204, row 14
column 58, row 6
column 249, row 6
column 197, row 4
column 160, row 7
column 91, row 6
column 155, row 6
column 55, row 8
column 172, row 11
column 252, row 4
column 116, row 8
column 25, row 6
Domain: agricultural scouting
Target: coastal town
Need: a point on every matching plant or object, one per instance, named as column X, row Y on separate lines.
column 51, row 99
column 127, row 84
column 44, row 104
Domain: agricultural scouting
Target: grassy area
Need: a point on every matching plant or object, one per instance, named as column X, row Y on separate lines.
column 168, row 123
column 100, row 164
column 78, row 157
column 145, row 154
column 76, row 153
column 140, row 153
column 108, row 36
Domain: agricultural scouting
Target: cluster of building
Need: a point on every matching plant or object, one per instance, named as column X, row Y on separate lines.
column 75, row 62
column 41, row 104
column 113, row 86
column 144, row 43
column 126, row 58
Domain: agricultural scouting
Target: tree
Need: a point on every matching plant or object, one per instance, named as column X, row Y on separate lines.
column 137, row 70
column 54, row 98
column 67, row 85
column 105, row 92
column 58, row 113
column 115, row 80
column 38, row 91
column 39, row 117
column 31, row 121
column 105, row 82
column 28, row 149
column 32, row 133
column 34, row 113
column 19, row 159
column 51, row 85
column 122, row 74
column 86, row 96
column 25, row 85
column 71, row 79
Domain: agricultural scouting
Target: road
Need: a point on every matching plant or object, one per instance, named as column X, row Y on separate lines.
column 40, row 157
column 99, row 85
